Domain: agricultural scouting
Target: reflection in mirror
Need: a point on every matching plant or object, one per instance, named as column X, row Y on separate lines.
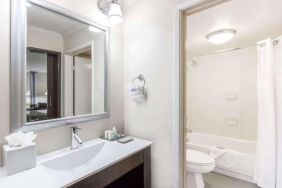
column 65, row 68
column 36, row 86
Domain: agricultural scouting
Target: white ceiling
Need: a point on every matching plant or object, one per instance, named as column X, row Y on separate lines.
column 254, row 20
column 41, row 18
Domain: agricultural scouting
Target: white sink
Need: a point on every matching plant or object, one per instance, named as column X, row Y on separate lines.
column 65, row 167
column 74, row 158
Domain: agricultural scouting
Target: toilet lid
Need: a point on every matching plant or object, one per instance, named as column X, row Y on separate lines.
column 199, row 158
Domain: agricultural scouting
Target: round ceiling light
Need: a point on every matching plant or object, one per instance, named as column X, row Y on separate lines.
column 221, row 36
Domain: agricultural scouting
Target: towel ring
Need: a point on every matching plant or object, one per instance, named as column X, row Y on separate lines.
column 141, row 78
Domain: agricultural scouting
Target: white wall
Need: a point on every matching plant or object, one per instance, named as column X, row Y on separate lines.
column 55, row 138
column 68, row 85
column 44, row 39
column 148, row 49
column 211, row 84
column 4, row 71
column 80, row 39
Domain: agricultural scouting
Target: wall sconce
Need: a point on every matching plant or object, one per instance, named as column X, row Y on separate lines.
column 112, row 9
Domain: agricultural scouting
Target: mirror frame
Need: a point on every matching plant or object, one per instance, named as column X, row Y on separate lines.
column 18, row 68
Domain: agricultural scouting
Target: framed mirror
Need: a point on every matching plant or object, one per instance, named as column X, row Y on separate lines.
column 59, row 64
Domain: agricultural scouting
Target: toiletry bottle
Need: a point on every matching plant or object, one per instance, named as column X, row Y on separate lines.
column 111, row 135
column 106, row 134
column 115, row 132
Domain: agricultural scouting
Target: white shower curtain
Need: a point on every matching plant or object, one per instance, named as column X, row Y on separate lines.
column 269, row 141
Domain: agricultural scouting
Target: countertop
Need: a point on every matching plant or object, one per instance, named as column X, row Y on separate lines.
column 40, row 177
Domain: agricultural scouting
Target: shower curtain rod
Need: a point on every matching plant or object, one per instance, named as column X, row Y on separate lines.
column 275, row 42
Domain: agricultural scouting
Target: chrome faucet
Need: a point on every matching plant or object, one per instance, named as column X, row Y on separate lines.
column 75, row 140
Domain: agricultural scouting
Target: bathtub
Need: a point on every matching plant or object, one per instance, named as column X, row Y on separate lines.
column 241, row 155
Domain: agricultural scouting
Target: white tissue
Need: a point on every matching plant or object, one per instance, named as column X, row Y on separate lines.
column 133, row 89
column 20, row 139
column 137, row 92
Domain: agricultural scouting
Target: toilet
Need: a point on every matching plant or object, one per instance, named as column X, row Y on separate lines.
column 197, row 163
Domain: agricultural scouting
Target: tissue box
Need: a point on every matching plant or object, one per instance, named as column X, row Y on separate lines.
column 17, row 159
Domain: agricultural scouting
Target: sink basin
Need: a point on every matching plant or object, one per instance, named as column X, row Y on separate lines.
column 74, row 158
column 65, row 167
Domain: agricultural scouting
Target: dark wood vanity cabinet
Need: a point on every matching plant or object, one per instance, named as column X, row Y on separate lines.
column 131, row 172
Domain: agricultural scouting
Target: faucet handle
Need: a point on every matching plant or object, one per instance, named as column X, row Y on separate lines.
column 75, row 128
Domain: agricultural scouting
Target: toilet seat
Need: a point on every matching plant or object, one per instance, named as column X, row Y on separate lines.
column 198, row 158
column 198, row 162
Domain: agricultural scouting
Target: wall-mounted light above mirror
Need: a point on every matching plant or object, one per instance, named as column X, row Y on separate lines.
column 112, row 9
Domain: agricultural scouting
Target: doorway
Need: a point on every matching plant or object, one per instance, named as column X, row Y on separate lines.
column 220, row 103
column 80, row 79
column 43, row 91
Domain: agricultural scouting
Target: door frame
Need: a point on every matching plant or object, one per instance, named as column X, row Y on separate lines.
column 179, row 134
column 59, row 85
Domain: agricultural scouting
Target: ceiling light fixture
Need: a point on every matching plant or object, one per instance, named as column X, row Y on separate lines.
column 112, row 9
column 221, row 36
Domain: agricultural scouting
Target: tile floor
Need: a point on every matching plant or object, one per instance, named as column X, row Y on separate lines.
column 214, row 180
